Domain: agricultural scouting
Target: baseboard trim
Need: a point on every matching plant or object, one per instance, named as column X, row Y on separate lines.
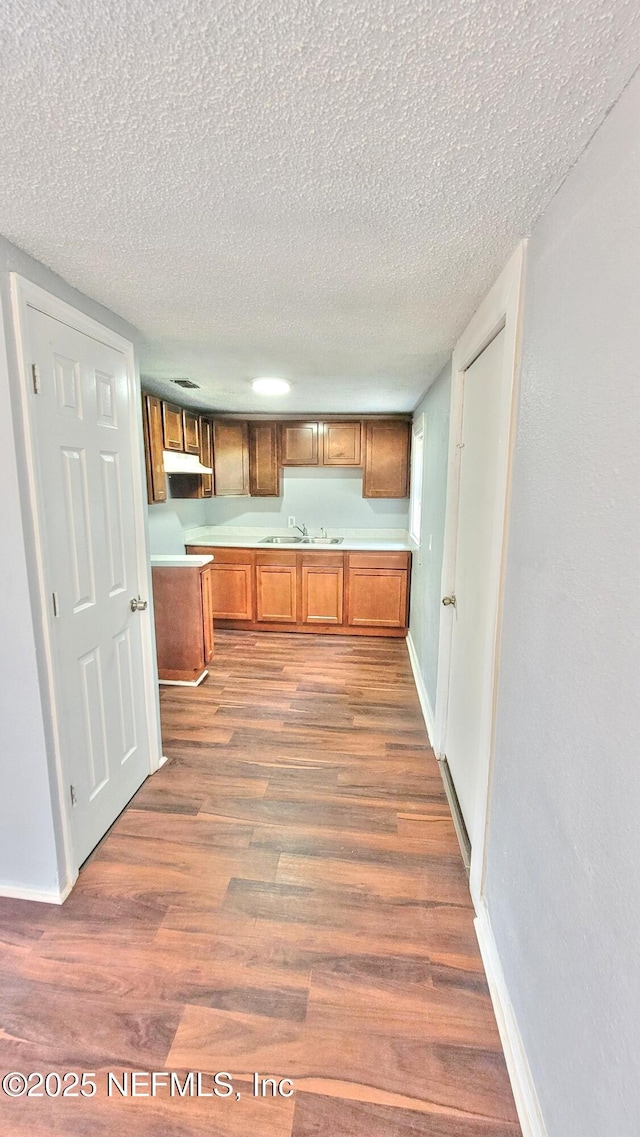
column 39, row 895
column 526, row 1099
column 425, row 705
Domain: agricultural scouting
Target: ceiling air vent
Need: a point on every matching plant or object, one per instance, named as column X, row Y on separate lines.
column 185, row 383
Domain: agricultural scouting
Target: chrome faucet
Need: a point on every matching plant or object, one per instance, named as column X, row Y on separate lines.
column 323, row 531
column 302, row 529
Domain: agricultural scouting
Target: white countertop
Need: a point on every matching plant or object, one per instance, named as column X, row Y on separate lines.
column 252, row 539
column 180, row 560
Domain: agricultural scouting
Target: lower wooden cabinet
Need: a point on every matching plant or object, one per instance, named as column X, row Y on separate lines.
column 347, row 593
column 276, row 588
column 232, row 590
column 322, row 589
column 182, row 601
column 377, row 598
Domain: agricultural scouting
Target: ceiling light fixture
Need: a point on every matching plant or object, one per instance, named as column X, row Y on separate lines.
column 271, row 386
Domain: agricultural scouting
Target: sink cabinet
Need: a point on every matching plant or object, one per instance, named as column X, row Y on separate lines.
column 306, row 590
column 322, row 588
column 276, row 588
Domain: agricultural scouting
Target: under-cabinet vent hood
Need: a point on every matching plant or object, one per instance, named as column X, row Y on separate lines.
column 175, row 463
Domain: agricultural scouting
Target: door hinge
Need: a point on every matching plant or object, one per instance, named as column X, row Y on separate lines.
column 56, row 605
column 74, row 797
column 35, row 374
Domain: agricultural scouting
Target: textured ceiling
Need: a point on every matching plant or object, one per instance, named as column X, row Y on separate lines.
column 318, row 189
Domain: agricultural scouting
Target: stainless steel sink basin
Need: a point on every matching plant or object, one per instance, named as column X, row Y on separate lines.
column 322, row 540
column 281, row 540
column 301, row 540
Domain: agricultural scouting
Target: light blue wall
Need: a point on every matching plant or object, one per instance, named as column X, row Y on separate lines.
column 323, row 497
column 563, row 874
column 424, row 620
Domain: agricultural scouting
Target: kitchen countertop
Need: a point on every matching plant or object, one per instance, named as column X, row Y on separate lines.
column 180, row 560
column 348, row 544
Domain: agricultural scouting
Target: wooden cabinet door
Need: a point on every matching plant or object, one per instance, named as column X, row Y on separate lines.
column 230, row 458
column 206, row 457
column 190, row 433
column 152, row 430
column 377, row 597
column 264, row 459
column 386, row 459
column 172, row 428
column 276, row 589
column 231, row 591
column 300, row 444
column 206, row 579
column 341, row 443
column 322, row 589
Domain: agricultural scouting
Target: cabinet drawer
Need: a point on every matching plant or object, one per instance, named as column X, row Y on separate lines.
column 326, row 560
column 281, row 557
column 223, row 556
column 379, row 560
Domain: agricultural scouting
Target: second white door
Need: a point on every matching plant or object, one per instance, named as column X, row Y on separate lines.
column 479, row 526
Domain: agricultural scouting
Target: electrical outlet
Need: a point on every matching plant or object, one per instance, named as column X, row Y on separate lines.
column 291, row 522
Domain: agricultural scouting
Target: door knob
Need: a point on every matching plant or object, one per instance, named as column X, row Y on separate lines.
column 447, row 600
column 137, row 605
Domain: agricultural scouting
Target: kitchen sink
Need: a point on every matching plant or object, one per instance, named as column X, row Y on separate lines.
column 282, row 540
column 302, row 540
column 322, row 540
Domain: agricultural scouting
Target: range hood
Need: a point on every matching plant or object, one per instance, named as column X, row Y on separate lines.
column 176, row 463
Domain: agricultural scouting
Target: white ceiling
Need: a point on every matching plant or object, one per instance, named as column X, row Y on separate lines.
column 317, row 189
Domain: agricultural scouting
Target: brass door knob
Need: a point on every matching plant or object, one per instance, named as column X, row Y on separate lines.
column 447, row 600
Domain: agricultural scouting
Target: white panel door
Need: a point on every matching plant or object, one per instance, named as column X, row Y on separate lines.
column 82, row 422
column 480, row 520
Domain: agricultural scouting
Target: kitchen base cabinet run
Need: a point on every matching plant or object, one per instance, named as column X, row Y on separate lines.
column 183, row 609
column 346, row 594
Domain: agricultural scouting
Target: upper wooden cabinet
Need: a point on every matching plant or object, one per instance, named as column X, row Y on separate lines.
column 264, row 459
column 190, row 433
column 341, row 443
column 152, row 431
column 206, row 457
column 172, row 427
column 230, row 457
column 300, row 444
column 386, row 458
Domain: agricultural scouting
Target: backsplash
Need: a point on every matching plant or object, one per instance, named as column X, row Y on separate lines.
column 323, row 497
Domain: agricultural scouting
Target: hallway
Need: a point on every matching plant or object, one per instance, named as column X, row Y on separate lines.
column 285, row 896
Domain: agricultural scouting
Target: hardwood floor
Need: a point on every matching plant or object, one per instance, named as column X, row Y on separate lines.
column 285, row 896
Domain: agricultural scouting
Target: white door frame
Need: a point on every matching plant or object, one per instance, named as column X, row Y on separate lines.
column 501, row 309
column 25, row 294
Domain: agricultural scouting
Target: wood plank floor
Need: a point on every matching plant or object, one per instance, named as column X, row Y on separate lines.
column 285, row 896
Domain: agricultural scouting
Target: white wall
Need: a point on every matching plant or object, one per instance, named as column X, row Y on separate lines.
column 426, row 605
column 30, row 839
column 563, row 877
column 324, row 497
